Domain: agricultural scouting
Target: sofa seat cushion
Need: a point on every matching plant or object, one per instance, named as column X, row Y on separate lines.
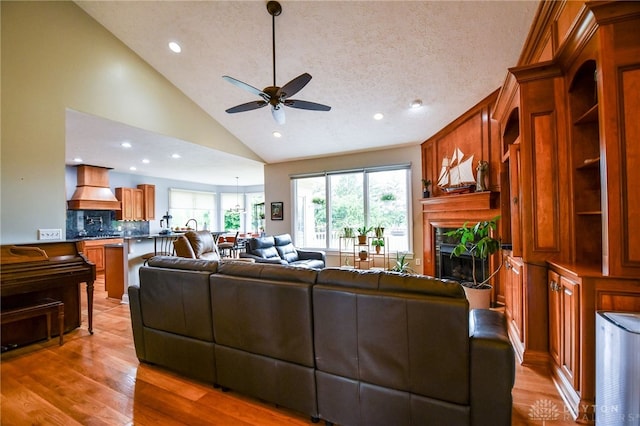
column 308, row 263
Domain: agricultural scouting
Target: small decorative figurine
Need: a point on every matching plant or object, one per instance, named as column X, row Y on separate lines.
column 482, row 169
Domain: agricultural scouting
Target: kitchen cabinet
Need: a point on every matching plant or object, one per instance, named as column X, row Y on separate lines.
column 148, row 201
column 94, row 251
column 116, row 269
column 132, row 200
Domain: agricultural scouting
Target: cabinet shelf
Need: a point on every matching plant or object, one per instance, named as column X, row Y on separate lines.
column 590, row 116
column 589, row 163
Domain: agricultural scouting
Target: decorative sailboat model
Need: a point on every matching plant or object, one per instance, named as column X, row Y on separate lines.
column 456, row 174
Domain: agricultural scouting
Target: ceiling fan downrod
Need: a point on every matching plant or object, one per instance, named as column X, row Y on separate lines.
column 274, row 9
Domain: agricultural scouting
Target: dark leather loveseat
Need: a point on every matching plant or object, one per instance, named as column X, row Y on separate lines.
column 279, row 249
column 350, row 347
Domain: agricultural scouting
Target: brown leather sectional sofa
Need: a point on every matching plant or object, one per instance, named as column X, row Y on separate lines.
column 349, row 347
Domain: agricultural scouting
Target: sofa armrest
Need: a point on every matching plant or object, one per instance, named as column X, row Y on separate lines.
column 258, row 259
column 312, row 254
column 492, row 368
column 136, row 321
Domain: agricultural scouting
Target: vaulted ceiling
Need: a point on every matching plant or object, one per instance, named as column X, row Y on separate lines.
column 366, row 57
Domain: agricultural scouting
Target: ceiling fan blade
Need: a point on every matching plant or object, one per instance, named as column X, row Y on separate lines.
column 247, row 107
column 294, row 86
column 246, row 87
column 293, row 103
column 278, row 114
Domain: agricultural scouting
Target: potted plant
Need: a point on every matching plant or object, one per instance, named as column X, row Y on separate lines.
column 401, row 264
column 426, row 184
column 379, row 231
column 348, row 232
column 362, row 234
column 478, row 242
column 377, row 243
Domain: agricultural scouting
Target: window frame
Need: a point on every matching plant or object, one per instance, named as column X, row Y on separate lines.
column 366, row 171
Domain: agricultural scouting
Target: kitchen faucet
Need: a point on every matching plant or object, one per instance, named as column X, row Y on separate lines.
column 187, row 224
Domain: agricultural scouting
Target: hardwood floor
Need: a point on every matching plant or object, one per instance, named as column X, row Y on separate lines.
column 97, row 380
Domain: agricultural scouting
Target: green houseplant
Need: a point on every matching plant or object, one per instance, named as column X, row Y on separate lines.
column 362, row 234
column 402, row 265
column 478, row 242
column 377, row 243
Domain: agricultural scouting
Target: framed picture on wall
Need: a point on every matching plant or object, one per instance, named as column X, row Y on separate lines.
column 276, row 210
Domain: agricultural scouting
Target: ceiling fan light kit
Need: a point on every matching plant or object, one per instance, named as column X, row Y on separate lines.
column 273, row 95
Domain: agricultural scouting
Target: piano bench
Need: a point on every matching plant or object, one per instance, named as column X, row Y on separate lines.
column 43, row 307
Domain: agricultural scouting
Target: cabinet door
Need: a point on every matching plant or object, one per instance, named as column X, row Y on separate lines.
column 516, row 194
column 555, row 317
column 138, row 204
column 570, row 331
column 513, row 297
column 125, row 196
column 96, row 255
column 516, row 296
column 149, row 201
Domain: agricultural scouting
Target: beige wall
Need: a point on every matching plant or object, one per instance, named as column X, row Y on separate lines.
column 54, row 56
column 278, row 186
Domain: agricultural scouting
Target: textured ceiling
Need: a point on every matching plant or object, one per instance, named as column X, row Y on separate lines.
column 365, row 57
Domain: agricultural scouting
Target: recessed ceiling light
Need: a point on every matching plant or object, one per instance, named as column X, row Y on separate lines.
column 125, row 144
column 146, row 161
column 175, row 155
column 175, row 47
column 276, row 134
column 133, row 168
column 378, row 116
column 416, row 104
column 77, row 160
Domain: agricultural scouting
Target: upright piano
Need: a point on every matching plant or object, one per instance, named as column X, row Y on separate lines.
column 32, row 272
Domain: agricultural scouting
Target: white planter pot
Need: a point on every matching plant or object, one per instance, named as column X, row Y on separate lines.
column 479, row 298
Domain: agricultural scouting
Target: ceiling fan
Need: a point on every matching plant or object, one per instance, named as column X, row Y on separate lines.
column 276, row 96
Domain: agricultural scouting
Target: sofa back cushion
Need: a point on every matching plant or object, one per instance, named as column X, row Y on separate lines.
column 202, row 243
column 176, row 298
column 352, row 278
column 268, row 271
column 271, row 318
column 182, row 248
column 263, row 247
column 406, row 340
column 285, row 248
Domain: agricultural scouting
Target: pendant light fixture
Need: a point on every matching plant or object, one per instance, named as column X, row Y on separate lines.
column 237, row 208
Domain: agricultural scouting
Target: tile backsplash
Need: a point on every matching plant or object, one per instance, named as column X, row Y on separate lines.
column 95, row 223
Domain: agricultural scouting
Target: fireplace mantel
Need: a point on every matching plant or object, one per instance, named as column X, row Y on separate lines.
column 460, row 202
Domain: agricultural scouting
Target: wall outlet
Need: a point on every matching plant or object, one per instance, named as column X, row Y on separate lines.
column 417, row 260
column 49, row 234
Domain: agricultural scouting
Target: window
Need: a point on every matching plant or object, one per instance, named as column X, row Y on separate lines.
column 327, row 203
column 198, row 205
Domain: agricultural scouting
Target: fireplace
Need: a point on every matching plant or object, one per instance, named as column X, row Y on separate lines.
column 459, row 268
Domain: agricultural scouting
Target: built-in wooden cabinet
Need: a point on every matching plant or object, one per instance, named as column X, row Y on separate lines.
column 571, row 162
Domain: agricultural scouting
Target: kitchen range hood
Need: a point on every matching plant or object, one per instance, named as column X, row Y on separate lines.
column 92, row 190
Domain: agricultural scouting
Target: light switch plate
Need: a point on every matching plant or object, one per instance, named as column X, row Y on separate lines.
column 49, row 234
